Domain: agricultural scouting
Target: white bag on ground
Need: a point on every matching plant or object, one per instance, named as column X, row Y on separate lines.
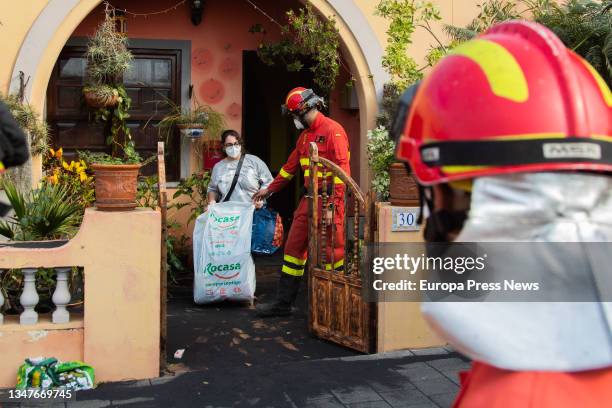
column 223, row 267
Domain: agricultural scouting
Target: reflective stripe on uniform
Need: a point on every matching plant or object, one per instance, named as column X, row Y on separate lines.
column 293, row 266
column 336, row 265
column 307, row 173
column 294, row 260
column 285, row 174
column 292, row 271
column 305, row 161
column 319, row 174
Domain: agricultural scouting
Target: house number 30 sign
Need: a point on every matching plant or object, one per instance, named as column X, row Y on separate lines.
column 405, row 219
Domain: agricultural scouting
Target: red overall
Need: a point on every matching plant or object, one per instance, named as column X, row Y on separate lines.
column 485, row 386
column 333, row 145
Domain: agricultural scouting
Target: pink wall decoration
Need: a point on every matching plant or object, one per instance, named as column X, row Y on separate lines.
column 212, row 91
column 234, row 111
column 228, row 69
column 202, row 60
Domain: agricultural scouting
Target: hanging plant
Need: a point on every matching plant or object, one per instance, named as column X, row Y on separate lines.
column 306, row 40
column 108, row 58
column 198, row 116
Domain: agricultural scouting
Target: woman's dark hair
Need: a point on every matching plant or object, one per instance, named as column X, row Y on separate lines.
column 231, row 132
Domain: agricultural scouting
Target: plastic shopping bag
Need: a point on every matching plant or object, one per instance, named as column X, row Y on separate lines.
column 224, row 269
column 267, row 225
column 48, row 373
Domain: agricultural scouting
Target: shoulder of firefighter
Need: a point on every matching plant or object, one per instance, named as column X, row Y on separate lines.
column 332, row 143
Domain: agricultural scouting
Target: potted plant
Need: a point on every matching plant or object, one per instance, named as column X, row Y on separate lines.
column 197, row 122
column 116, row 174
column 107, row 60
column 200, row 123
column 101, row 96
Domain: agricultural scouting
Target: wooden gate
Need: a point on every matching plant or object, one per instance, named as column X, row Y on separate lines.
column 337, row 311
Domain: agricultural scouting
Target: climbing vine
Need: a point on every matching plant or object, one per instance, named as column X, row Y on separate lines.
column 306, row 40
column 404, row 17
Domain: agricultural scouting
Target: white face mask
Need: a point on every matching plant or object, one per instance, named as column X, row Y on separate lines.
column 298, row 124
column 233, row 151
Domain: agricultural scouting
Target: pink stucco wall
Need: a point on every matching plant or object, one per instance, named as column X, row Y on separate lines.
column 217, row 45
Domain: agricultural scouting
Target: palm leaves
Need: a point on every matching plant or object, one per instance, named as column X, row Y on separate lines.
column 584, row 26
column 46, row 213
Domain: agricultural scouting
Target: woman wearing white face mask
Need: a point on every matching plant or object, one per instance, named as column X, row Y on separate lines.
column 253, row 173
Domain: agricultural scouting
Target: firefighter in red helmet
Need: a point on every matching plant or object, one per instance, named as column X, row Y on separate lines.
column 304, row 106
column 510, row 138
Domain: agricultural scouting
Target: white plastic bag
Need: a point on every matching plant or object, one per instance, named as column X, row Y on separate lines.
column 222, row 259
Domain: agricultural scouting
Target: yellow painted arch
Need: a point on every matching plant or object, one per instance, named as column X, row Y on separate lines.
column 352, row 51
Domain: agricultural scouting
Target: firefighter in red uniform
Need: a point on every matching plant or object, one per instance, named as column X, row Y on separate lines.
column 511, row 138
column 331, row 139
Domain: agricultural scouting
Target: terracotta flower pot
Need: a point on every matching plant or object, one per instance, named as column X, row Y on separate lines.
column 97, row 101
column 403, row 189
column 182, row 126
column 115, row 186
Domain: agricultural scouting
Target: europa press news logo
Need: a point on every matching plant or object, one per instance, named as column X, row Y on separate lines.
column 223, row 271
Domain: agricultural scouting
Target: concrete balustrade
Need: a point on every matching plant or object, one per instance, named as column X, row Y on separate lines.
column 120, row 256
column 29, row 297
column 61, row 296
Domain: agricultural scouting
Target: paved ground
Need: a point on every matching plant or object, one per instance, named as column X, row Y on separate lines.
column 401, row 379
column 233, row 359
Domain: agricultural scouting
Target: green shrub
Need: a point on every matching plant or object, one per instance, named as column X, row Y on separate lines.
column 381, row 154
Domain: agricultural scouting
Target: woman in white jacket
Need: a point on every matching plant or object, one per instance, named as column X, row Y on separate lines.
column 254, row 174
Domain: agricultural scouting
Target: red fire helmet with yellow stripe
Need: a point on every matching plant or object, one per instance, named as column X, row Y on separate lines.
column 514, row 99
column 300, row 100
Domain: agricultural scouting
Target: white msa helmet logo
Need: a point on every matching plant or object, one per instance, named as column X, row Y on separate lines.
column 430, row 154
column 577, row 150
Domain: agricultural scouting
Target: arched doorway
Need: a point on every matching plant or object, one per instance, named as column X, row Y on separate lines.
column 76, row 15
column 58, row 20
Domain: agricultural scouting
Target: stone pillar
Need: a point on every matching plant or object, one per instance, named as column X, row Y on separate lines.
column 61, row 296
column 29, row 297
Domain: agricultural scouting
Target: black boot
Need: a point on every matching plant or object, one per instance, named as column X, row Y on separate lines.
column 288, row 286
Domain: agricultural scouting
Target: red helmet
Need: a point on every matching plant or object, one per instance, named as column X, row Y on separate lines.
column 515, row 99
column 300, row 100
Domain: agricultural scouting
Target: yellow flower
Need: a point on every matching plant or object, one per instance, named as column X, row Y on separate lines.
column 53, row 179
column 83, row 165
column 52, row 152
column 65, row 165
column 59, row 153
